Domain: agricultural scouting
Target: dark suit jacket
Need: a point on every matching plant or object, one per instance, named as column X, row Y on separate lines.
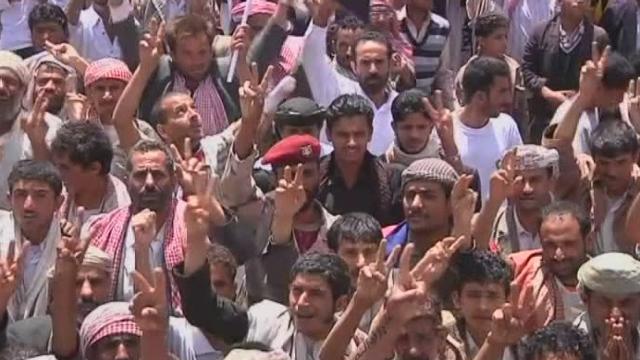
column 620, row 20
column 545, row 64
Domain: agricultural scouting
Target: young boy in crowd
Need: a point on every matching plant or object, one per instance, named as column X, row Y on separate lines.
column 483, row 286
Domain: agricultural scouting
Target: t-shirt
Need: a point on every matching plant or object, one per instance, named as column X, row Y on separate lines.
column 482, row 148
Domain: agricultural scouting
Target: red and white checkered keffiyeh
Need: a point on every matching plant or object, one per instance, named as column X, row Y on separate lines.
column 112, row 318
column 291, row 49
column 112, row 230
column 107, row 68
column 208, row 103
column 257, row 7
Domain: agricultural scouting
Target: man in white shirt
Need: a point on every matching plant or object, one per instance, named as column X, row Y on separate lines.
column 371, row 65
column 35, row 194
column 106, row 29
column 525, row 15
column 481, row 131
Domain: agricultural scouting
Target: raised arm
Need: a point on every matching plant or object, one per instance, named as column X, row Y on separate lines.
column 124, row 116
column 64, row 307
column 144, row 231
column 371, row 288
column 321, row 75
column 504, row 183
column 74, row 7
column 590, row 81
column 200, row 303
column 463, row 205
column 407, row 297
column 237, row 184
column 507, row 328
column 267, row 46
column 150, row 310
column 36, row 128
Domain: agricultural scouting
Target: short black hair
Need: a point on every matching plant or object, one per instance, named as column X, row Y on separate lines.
column 329, row 266
column 569, row 208
column 406, row 103
column 349, row 105
column 220, row 255
column 35, row 170
column 612, row 138
column 158, row 111
column 348, row 22
column 558, row 338
column 84, row 143
column 487, row 24
column 618, row 72
column 480, row 75
column 43, row 13
column 145, row 146
column 481, row 266
column 354, row 227
column 375, row 36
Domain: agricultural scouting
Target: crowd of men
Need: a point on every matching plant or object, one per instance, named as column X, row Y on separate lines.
column 320, row 179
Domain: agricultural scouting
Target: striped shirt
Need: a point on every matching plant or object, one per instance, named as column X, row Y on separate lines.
column 427, row 50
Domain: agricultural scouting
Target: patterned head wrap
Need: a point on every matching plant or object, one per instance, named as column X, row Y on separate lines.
column 98, row 259
column 107, row 68
column 532, row 157
column 112, row 318
column 14, row 63
column 612, row 273
column 257, row 7
column 430, row 169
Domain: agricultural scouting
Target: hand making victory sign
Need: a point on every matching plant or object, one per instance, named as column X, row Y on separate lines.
column 373, row 278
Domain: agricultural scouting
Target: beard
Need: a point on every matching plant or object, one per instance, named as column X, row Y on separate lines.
column 372, row 84
column 9, row 109
column 84, row 308
column 55, row 104
column 152, row 199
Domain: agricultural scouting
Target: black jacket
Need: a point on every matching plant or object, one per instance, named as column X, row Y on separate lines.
column 620, row 20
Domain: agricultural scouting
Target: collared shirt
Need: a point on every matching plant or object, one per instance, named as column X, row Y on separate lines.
column 32, row 256
column 338, row 198
column 14, row 20
column 418, row 34
column 525, row 17
column 90, row 37
column 606, row 240
column 327, row 84
column 156, row 256
column 573, row 305
column 428, row 46
column 528, row 241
